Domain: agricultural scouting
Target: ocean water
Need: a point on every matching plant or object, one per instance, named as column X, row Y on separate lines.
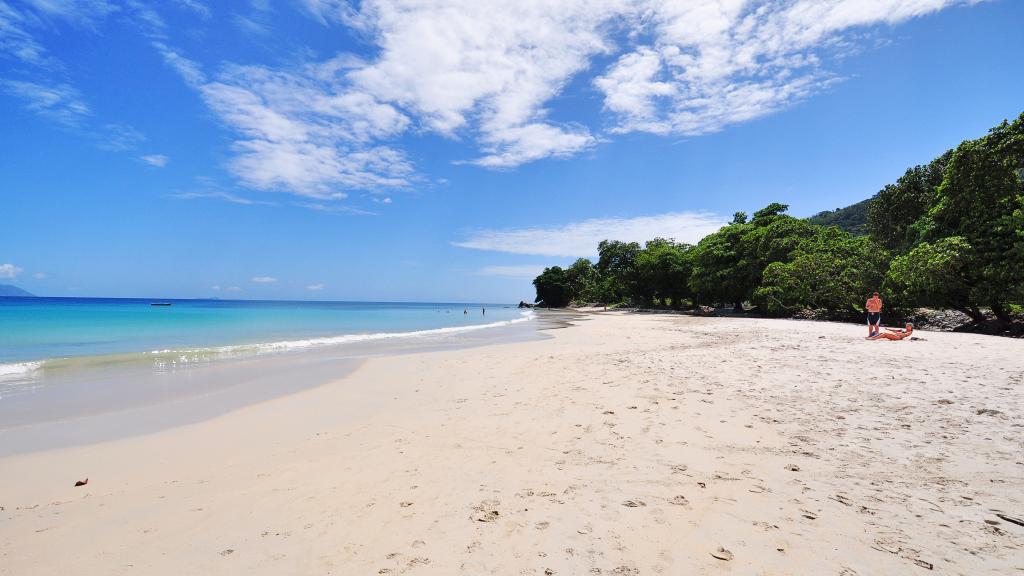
column 57, row 332
column 81, row 370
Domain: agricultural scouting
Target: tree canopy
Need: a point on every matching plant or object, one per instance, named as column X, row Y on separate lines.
column 947, row 234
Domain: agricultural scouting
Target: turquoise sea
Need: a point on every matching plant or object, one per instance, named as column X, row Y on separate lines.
column 34, row 331
column 80, row 370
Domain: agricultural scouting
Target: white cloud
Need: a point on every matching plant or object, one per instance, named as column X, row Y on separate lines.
column 334, row 208
column 489, row 66
column 61, row 103
column 220, row 195
column 581, row 238
column 189, row 70
column 215, row 288
column 263, row 279
column 158, row 160
column 257, row 20
column 516, row 271
column 299, row 132
column 709, row 64
column 120, row 137
column 15, row 39
column 39, row 275
column 9, row 270
column 316, row 287
column 195, row 6
column 79, row 12
column 489, row 71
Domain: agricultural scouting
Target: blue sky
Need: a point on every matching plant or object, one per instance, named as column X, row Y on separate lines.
column 400, row 150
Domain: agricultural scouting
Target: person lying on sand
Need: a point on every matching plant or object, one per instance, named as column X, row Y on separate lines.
column 894, row 333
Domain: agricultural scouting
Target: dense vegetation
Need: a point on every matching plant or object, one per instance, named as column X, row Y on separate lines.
column 948, row 234
column 853, row 218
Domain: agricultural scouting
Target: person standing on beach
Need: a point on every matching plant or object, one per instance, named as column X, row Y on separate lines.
column 874, row 308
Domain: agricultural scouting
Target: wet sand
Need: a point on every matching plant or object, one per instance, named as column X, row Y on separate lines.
column 628, row 444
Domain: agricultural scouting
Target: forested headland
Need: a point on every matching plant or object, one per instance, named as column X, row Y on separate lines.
column 948, row 234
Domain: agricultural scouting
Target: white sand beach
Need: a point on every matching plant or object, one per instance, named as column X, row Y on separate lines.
column 626, row 444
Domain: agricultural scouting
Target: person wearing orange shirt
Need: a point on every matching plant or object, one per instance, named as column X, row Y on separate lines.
column 874, row 308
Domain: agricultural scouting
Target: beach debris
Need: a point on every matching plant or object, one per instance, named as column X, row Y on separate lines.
column 679, row 468
column 841, row 499
column 722, row 554
column 679, row 500
column 405, row 504
column 944, row 402
column 702, row 485
column 792, row 467
column 227, row 552
column 989, row 412
column 1011, row 519
column 485, row 515
column 485, row 511
column 608, row 412
column 892, row 547
column 81, row 483
column 634, row 503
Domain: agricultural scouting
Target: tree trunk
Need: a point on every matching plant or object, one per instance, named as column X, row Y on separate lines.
column 971, row 311
column 737, row 307
column 1000, row 311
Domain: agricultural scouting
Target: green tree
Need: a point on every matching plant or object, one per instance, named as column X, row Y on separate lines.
column 582, row 278
column 663, row 272
column 772, row 237
column 717, row 276
column 981, row 200
column 552, row 287
column 936, row 274
column 616, row 266
column 894, row 213
column 832, row 270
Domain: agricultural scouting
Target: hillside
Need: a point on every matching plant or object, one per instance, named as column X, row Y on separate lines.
column 9, row 290
column 853, row 218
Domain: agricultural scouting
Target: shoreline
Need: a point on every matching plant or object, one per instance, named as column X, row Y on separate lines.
column 100, row 401
column 628, row 444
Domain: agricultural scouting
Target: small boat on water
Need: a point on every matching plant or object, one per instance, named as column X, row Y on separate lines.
column 159, row 303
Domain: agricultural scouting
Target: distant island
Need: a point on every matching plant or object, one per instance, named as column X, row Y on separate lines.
column 9, row 290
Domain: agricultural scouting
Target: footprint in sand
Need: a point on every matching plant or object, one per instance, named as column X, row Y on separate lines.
column 634, row 503
column 541, row 525
column 485, row 511
column 722, row 554
column 679, row 500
